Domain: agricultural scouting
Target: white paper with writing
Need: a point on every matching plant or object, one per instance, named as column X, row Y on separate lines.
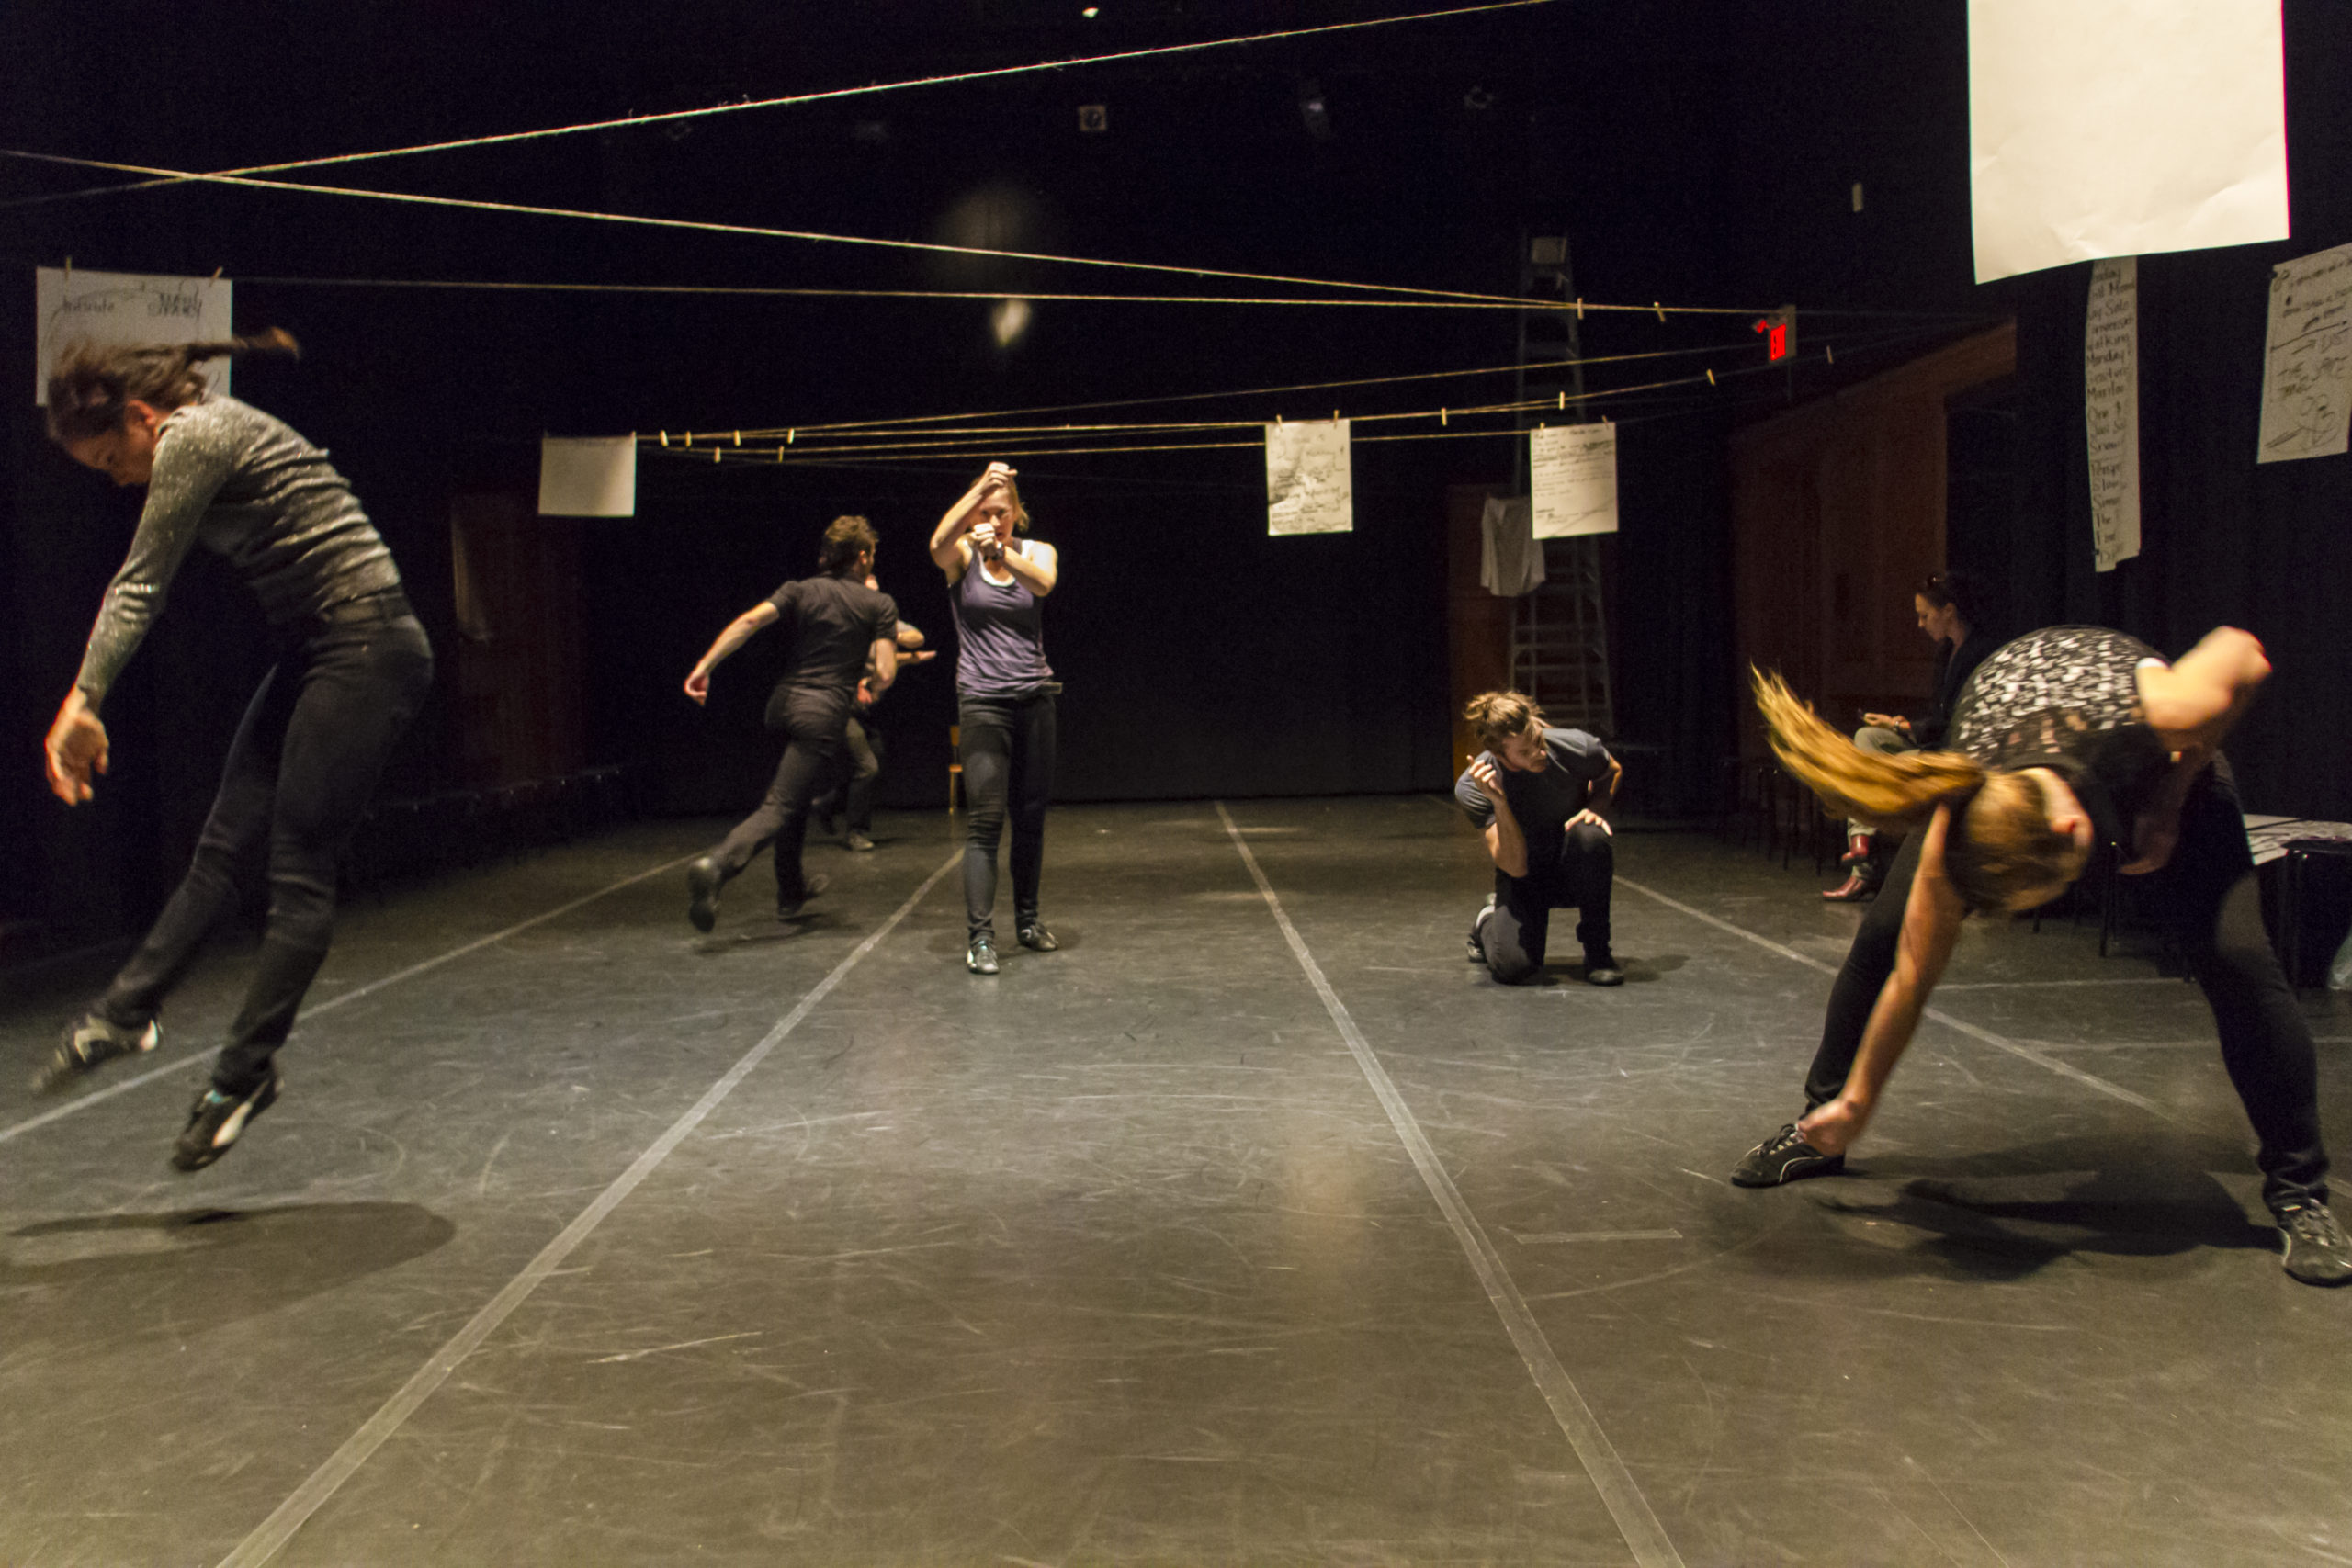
column 125, row 308
column 2115, row 128
column 593, row 476
column 2112, row 408
column 2307, row 358
column 1572, row 478
column 1308, row 487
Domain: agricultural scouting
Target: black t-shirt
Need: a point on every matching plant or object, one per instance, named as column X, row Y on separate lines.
column 1543, row 802
column 1953, row 667
column 832, row 624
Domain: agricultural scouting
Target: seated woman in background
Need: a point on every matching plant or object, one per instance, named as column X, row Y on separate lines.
column 1951, row 607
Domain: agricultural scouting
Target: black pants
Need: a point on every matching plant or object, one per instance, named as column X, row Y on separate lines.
column 812, row 722
column 1008, row 750
column 1578, row 878
column 853, row 798
column 2213, row 909
column 300, row 773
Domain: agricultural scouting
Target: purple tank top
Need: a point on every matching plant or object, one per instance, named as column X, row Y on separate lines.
column 1000, row 637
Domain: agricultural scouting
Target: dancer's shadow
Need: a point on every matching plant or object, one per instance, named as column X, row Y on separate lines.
column 2007, row 1214
column 786, row 929
column 103, row 1277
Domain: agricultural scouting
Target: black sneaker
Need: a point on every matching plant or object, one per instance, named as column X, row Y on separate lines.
column 1600, row 968
column 702, row 892
column 980, row 957
column 789, row 908
column 1477, row 953
column 85, row 1045
column 1784, row 1156
column 1037, row 938
column 2317, row 1250
column 217, row 1120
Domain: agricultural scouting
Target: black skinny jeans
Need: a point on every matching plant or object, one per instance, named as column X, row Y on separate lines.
column 1008, row 750
column 2213, row 908
column 299, row 776
column 1516, row 934
column 852, row 800
column 813, row 721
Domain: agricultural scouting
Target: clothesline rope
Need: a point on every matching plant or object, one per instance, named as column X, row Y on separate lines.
column 790, row 101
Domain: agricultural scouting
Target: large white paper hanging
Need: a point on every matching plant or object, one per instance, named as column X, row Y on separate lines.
column 593, row 476
column 2114, row 128
column 111, row 308
column 2112, row 408
column 1572, row 479
column 2307, row 358
column 1308, row 487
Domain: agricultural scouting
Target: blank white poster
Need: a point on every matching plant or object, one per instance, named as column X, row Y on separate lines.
column 2114, row 128
column 593, row 476
column 2307, row 358
column 2112, row 408
column 1309, row 488
column 1572, row 479
column 109, row 308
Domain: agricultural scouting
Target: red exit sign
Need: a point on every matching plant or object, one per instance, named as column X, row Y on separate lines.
column 1779, row 329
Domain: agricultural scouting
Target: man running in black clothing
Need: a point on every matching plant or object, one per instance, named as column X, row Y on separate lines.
column 837, row 624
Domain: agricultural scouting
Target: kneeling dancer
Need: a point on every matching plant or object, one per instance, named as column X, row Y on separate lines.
column 2063, row 737
column 837, row 625
column 1540, row 797
column 352, row 666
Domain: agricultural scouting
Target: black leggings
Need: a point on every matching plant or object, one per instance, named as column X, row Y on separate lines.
column 1008, row 750
column 1516, row 935
column 2213, row 909
column 812, row 723
column 299, row 773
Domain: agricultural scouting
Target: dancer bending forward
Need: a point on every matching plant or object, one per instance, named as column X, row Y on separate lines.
column 2063, row 737
column 839, row 625
column 1004, row 702
column 353, row 665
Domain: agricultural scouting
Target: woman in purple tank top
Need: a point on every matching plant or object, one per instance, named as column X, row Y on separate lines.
column 1004, row 701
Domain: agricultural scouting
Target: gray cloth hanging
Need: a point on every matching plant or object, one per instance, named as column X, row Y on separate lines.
column 1510, row 558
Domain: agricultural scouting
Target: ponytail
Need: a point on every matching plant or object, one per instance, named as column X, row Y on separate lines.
column 93, row 382
column 1901, row 791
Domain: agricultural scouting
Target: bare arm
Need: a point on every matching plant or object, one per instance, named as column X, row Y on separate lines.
column 2193, row 704
column 950, row 551
column 886, row 665
column 1506, row 843
column 738, row 631
column 1930, row 927
column 1036, row 564
column 1599, row 797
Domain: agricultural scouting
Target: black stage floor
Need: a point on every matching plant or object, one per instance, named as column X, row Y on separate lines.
column 1256, row 1226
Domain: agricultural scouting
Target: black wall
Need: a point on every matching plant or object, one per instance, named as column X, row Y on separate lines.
column 1693, row 152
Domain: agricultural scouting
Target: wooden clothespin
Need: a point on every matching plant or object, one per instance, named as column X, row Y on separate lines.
column 1660, row 308
column 1442, row 418
column 1710, row 377
column 666, row 438
column 787, row 440
column 738, row 438
column 1579, row 306
column 688, row 439
column 1830, row 352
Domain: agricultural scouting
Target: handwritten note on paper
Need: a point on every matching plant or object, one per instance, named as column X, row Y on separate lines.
column 1572, row 476
column 2112, row 408
column 2307, row 358
column 123, row 308
column 1308, row 486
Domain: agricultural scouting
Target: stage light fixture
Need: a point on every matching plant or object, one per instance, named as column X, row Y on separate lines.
column 1094, row 119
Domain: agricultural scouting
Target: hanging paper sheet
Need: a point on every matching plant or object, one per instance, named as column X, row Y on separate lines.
column 2114, row 128
column 2307, row 358
column 2112, row 408
column 1308, row 487
column 588, row 476
column 1572, row 478
column 110, row 307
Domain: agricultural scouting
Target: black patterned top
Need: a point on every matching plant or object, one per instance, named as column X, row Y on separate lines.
column 2067, row 698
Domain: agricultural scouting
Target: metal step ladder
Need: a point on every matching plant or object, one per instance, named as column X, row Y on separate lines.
column 1559, row 633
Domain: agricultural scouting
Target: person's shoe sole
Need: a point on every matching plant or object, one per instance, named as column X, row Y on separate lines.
column 2314, row 1262
column 702, row 895
column 191, row 1156
column 71, row 1061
